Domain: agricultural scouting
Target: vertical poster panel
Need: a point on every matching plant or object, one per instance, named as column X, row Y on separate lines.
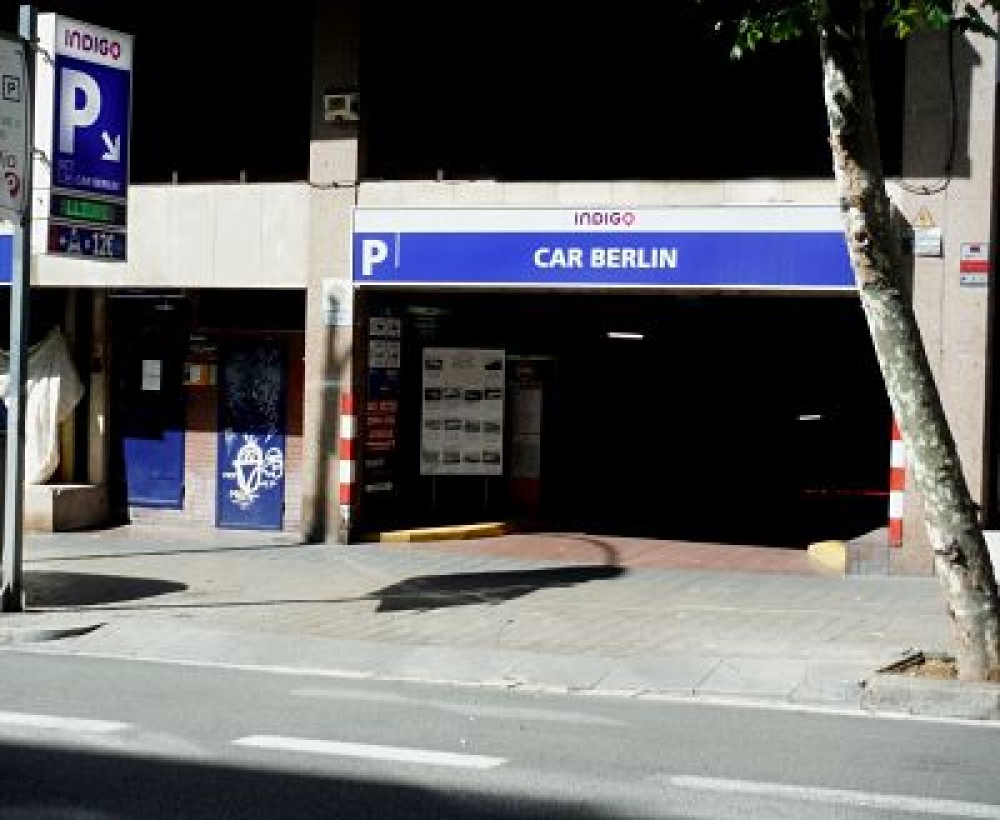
column 251, row 471
column 381, row 433
column 526, row 445
column 462, row 418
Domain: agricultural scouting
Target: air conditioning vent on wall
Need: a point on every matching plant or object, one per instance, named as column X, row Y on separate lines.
column 342, row 107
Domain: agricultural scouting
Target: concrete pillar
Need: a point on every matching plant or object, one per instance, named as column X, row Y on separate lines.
column 948, row 159
column 328, row 364
column 333, row 175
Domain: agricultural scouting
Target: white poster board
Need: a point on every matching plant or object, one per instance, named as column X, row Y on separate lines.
column 462, row 420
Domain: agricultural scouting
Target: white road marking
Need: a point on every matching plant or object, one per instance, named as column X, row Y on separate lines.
column 369, row 752
column 66, row 724
column 842, row 797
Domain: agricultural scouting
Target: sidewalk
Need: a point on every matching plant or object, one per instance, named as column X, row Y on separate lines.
column 549, row 612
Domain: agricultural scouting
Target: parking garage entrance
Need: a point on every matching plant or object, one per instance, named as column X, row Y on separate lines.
column 736, row 415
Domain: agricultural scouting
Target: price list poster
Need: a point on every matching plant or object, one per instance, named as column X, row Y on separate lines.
column 462, row 419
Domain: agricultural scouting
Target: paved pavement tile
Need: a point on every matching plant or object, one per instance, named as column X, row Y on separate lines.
column 563, row 610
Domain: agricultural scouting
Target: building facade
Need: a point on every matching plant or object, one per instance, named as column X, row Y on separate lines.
column 677, row 357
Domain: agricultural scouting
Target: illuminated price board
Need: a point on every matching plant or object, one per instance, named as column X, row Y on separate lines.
column 92, row 211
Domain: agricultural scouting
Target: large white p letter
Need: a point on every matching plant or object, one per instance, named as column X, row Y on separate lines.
column 373, row 251
column 71, row 117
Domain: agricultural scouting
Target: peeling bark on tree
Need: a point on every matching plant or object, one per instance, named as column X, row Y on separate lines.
column 961, row 558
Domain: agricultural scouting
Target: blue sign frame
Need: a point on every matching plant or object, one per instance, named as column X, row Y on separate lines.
column 738, row 248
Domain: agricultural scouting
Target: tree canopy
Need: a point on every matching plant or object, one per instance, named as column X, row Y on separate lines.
column 751, row 23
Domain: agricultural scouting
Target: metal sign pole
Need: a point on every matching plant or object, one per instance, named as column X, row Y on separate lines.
column 11, row 584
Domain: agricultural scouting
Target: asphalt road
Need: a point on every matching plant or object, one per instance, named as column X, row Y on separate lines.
column 94, row 738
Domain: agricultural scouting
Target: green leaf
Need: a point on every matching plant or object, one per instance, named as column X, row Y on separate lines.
column 753, row 23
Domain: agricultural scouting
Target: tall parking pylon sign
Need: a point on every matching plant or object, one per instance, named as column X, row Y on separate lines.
column 83, row 96
column 15, row 200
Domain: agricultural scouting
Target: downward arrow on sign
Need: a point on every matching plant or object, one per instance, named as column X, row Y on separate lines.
column 114, row 152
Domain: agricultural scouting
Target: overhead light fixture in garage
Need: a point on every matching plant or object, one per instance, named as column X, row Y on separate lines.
column 626, row 334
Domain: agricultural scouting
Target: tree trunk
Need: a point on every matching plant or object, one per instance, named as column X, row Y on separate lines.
column 961, row 558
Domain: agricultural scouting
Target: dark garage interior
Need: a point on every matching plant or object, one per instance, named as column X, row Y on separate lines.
column 750, row 419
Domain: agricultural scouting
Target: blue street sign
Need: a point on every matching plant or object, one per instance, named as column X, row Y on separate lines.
column 6, row 258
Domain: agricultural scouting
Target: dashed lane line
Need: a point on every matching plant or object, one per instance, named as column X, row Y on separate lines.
column 60, row 723
column 367, row 751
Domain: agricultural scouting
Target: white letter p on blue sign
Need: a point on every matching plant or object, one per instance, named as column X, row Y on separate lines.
column 77, row 87
column 373, row 252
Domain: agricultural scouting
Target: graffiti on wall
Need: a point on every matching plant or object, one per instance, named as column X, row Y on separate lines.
column 251, row 449
column 254, row 469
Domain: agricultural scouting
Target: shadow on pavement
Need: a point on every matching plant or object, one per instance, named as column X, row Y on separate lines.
column 439, row 591
column 51, row 588
column 52, row 783
column 82, row 590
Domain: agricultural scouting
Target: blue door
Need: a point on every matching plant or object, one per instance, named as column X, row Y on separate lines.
column 149, row 349
column 251, row 464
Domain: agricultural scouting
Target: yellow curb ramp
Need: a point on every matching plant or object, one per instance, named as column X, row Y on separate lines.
column 829, row 555
column 454, row 532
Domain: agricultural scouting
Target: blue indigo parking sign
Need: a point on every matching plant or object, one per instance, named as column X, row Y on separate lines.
column 741, row 247
column 88, row 87
column 90, row 127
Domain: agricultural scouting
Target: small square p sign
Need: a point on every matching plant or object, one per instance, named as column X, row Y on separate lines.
column 10, row 88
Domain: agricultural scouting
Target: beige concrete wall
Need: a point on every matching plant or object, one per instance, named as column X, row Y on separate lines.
column 953, row 318
column 487, row 193
column 201, row 236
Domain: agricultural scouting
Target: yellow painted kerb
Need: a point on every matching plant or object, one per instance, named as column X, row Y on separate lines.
column 450, row 533
column 830, row 555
